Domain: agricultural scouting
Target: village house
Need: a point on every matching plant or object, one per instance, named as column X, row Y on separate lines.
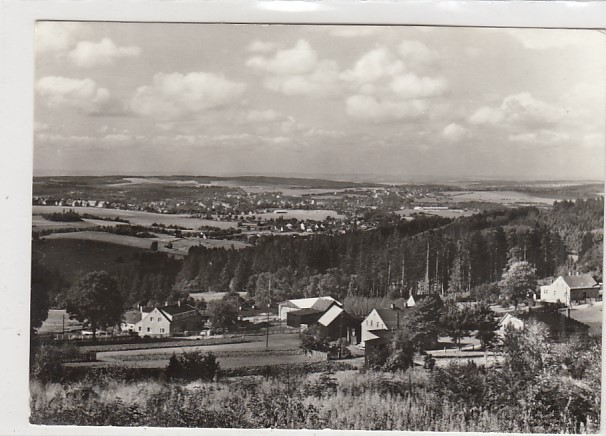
column 336, row 323
column 130, row 318
column 381, row 324
column 572, row 289
column 169, row 320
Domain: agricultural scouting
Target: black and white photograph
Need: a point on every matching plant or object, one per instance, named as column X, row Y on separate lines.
column 317, row 226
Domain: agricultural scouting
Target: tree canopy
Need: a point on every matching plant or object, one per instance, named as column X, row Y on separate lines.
column 95, row 300
column 519, row 279
column 223, row 314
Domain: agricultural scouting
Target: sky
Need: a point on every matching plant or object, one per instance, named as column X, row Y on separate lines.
column 376, row 103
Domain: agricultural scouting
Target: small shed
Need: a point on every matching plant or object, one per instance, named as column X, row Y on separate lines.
column 337, row 323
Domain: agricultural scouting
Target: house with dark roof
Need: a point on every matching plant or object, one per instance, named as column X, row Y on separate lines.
column 572, row 289
column 380, row 320
column 169, row 320
column 336, row 323
column 130, row 318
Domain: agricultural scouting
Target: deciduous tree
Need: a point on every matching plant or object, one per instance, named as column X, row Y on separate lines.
column 95, row 300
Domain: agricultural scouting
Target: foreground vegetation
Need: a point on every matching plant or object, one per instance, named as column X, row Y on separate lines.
column 536, row 387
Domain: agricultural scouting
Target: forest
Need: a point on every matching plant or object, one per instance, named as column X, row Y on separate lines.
column 465, row 256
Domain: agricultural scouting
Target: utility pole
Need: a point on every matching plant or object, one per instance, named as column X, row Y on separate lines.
column 268, row 304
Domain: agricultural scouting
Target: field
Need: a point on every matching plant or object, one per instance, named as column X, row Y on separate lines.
column 109, row 238
column 451, row 213
column 283, row 349
column 589, row 315
column 140, row 218
column 506, row 198
column 315, row 215
column 41, row 223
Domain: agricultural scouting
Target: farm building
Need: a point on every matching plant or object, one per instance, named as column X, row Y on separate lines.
column 571, row 289
column 169, row 320
column 297, row 318
column 380, row 320
column 335, row 323
column 321, row 304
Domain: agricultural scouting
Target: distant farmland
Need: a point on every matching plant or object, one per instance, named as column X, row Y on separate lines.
column 315, row 215
column 140, row 218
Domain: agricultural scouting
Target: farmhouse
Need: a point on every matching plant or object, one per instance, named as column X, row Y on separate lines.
column 169, row 320
column 336, row 323
column 130, row 318
column 571, row 289
column 380, row 321
column 321, row 304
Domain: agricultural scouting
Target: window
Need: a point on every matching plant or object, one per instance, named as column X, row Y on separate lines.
column 161, row 330
column 371, row 323
column 139, row 328
column 148, row 329
column 151, row 318
column 158, row 319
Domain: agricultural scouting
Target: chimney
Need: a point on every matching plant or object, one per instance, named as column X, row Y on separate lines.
column 140, row 308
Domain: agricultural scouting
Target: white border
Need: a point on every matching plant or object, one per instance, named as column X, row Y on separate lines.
column 17, row 18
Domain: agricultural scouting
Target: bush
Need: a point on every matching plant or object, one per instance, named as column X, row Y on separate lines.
column 47, row 361
column 192, row 366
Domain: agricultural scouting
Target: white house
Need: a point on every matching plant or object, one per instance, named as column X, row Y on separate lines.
column 381, row 319
column 510, row 321
column 169, row 320
column 571, row 289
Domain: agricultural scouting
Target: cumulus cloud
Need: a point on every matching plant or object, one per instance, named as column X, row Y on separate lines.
column 53, row 36
column 417, row 53
column 454, row 132
column 369, row 108
column 376, row 64
column 176, row 95
column 412, row 86
column 385, row 88
column 300, row 59
column 88, row 54
column 83, row 94
column 519, row 109
column 322, row 81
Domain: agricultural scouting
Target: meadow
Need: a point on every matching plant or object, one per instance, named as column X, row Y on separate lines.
column 507, row 198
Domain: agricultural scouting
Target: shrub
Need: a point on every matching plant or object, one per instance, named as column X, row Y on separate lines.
column 193, row 365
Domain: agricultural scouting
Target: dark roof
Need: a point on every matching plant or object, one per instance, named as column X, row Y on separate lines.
column 303, row 312
column 323, row 304
column 383, row 337
column 175, row 309
column 390, row 317
column 580, row 281
column 132, row 316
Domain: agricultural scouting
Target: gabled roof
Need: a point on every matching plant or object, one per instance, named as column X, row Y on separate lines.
column 307, row 303
column 390, row 317
column 330, row 315
column 580, row 281
column 132, row 316
column 323, row 304
column 382, row 337
column 175, row 309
